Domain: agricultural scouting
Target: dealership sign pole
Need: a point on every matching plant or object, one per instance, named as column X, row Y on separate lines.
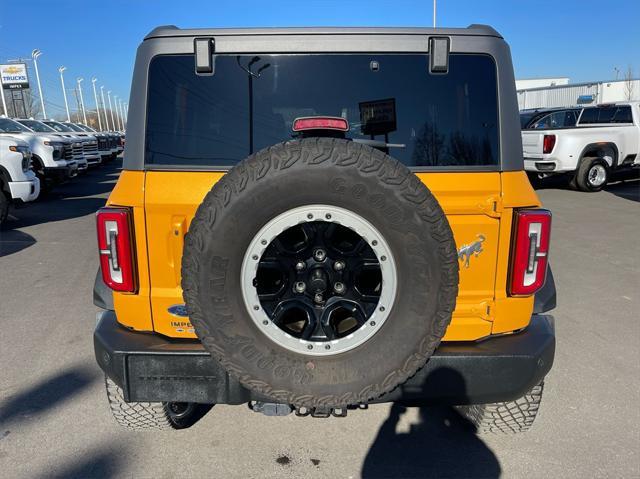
column 64, row 92
column 4, row 102
column 95, row 96
column 35, row 54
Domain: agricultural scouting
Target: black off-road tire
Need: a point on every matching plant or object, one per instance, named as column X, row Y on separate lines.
column 330, row 172
column 149, row 415
column 4, row 206
column 580, row 180
column 509, row 417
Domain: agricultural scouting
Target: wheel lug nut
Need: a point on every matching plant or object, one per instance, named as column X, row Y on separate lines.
column 339, row 287
column 319, row 255
column 338, row 265
column 300, row 287
column 300, row 265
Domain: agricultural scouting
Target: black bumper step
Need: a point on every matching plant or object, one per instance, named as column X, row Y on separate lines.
column 151, row 367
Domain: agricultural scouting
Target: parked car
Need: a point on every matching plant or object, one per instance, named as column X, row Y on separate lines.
column 50, row 161
column 18, row 183
column 348, row 227
column 89, row 142
column 589, row 143
column 103, row 140
column 73, row 149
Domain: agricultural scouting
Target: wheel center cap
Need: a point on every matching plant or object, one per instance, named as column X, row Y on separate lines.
column 318, row 280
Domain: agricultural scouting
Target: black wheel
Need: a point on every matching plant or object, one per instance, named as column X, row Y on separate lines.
column 152, row 415
column 308, row 260
column 4, row 205
column 508, row 417
column 45, row 184
column 592, row 175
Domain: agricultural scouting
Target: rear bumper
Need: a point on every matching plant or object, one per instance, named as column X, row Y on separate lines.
column 150, row 367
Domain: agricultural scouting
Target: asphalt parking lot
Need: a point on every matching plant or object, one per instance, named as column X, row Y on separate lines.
column 54, row 419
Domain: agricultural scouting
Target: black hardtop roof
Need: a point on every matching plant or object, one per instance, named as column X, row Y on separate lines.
column 173, row 31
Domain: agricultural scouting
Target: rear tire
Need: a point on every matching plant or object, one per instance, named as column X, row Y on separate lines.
column 138, row 416
column 4, row 206
column 592, row 175
column 508, row 417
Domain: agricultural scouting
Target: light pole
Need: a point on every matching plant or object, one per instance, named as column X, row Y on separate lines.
column 434, row 13
column 115, row 102
column 35, row 54
column 64, row 92
column 104, row 107
column 84, row 113
column 111, row 109
column 95, row 96
column 122, row 115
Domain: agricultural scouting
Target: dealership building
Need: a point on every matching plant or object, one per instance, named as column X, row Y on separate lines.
column 559, row 92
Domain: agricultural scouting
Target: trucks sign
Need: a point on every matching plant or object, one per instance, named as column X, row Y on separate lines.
column 14, row 76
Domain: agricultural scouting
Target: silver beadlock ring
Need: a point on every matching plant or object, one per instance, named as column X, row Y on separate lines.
column 332, row 214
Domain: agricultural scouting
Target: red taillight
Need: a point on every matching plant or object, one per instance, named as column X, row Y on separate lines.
column 530, row 252
column 115, row 243
column 548, row 142
column 320, row 123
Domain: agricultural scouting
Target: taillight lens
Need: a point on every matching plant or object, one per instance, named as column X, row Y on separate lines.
column 115, row 244
column 530, row 252
column 548, row 142
column 320, row 123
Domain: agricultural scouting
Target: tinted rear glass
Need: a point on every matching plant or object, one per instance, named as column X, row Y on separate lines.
column 606, row 114
column 557, row 119
column 434, row 120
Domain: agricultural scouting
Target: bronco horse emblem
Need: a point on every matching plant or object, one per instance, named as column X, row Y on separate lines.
column 467, row 250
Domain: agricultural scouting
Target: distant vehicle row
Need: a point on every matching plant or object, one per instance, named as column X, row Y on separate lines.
column 587, row 143
column 35, row 155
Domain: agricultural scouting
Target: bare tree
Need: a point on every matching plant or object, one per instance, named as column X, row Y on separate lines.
column 31, row 104
column 628, row 84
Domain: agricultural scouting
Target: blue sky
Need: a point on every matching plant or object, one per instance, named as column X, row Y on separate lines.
column 581, row 39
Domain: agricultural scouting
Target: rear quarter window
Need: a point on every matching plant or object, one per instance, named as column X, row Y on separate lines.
column 250, row 102
column 606, row 114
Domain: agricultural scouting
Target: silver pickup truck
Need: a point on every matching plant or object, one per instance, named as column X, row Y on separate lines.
column 588, row 143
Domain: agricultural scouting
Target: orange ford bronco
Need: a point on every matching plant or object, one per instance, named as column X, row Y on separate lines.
column 312, row 220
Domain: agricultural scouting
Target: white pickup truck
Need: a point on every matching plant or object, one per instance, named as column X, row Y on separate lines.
column 588, row 143
column 18, row 184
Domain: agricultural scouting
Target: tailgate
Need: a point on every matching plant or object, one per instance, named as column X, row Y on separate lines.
column 469, row 200
column 532, row 144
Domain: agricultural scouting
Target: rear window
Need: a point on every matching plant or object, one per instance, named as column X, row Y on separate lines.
column 606, row 114
column 557, row 119
column 250, row 102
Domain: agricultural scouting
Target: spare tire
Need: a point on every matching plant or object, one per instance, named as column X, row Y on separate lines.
column 320, row 272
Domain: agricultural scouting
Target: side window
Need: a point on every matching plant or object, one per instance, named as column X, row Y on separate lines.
column 570, row 118
column 557, row 119
column 623, row 115
column 589, row 115
column 605, row 115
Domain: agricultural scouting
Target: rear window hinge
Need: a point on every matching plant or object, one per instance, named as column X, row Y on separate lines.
column 204, row 48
